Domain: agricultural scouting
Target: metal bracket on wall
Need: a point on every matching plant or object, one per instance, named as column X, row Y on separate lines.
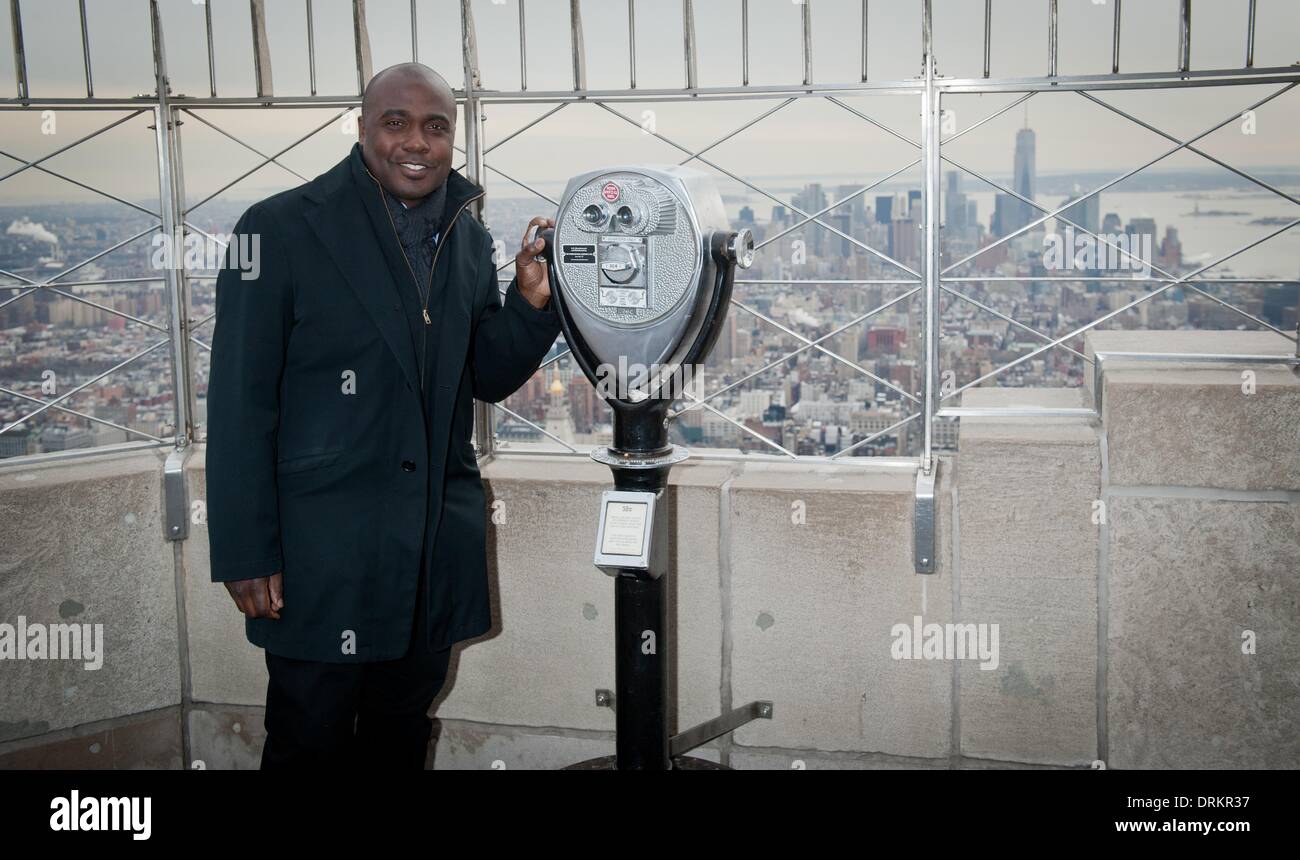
column 176, row 505
column 683, row 742
column 923, row 548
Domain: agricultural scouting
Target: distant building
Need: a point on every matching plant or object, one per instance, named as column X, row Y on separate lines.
column 955, row 205
column 813, row 200
column 945, row 433
column 1009, row 212
column 1085, row 213
column 902, row 240
column 1006, row 215
column 1280, row 305
column 1141, row 236
column 857, row 207
column 1015, row 212
column 64, row 437
column 886, row 339
column 755, row 403
column 559, row 420
column 15, row 443
column 842, row 221
column 884, row 208
column 1026, row 163
column 1171, row 250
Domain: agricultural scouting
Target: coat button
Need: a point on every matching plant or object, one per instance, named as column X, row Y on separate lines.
column 408, row 465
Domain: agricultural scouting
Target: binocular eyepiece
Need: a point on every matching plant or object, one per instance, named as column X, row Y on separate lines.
column 643, row 260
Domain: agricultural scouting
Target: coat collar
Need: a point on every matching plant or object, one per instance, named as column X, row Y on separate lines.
column 341, row 217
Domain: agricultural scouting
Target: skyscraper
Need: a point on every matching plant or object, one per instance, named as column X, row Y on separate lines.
column 1026, row 163
column 857, row 207
column 1024, row 182
column 954, row 205
column 1142, row 241
column 842, row 221
column 884, row 208
column 1085, row 213
column 813, row 200
column 1006, row 214
column 884, row 214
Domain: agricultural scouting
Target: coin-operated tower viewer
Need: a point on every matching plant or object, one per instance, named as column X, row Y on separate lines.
column 642, row 262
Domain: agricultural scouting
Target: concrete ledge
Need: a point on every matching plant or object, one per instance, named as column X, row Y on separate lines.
column 790, row 581
column 1029, row 538
column 226, row 737
column 553, row 612
column 695, row 605
column 1188, row 576
column 750, row 758
column 1193, row 425
column 747, row 758
column 81, row 542
column 552, row 643
column 821, row 571
column 224, row 666
column 151, row 741
column 463, row 745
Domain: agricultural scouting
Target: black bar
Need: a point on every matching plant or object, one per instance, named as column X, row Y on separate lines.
column 641, row 679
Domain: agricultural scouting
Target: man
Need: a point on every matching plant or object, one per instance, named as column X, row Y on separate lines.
column 345, row 507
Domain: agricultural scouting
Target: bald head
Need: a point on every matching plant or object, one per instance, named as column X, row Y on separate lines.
column 408, row 124
column 417, row 73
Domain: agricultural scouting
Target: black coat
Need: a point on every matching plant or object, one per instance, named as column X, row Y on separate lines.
column 322, row 460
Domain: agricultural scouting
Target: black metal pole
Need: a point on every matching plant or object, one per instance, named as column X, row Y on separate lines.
column 640, row 674
column 641, row 642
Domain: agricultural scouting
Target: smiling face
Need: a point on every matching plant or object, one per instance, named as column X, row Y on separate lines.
column 408, row 123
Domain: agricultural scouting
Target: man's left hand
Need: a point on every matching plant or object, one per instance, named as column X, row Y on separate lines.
column 534, row 285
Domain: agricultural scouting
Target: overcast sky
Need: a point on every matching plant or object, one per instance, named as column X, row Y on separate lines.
column 810, row 137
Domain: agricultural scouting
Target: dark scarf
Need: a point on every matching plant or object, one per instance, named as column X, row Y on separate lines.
column 416, row 228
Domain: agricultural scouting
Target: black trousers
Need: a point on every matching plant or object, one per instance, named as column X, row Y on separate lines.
column 354, row 715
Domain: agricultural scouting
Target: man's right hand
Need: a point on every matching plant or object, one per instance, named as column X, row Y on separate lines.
column 262, row 597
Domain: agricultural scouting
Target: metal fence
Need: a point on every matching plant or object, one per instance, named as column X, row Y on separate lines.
column 929, row 284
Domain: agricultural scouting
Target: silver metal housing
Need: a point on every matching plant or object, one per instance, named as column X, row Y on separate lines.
column 634, row 293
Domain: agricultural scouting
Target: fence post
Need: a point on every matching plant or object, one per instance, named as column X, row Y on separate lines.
column 483, row 432
column 169, row 205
